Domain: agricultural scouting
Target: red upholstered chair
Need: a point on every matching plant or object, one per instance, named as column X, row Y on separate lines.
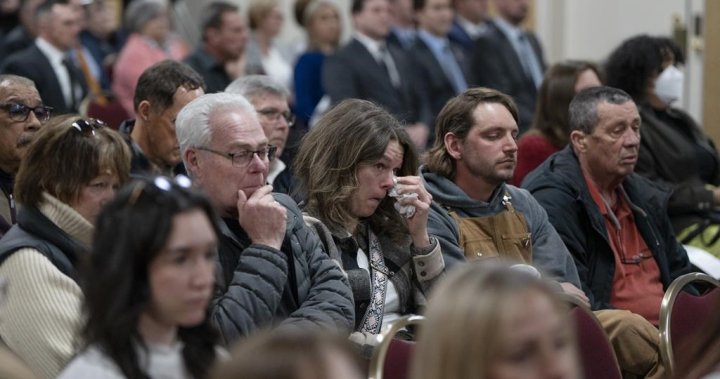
column 596, row 354
column 392, row 357
column 112, row 112
column 681, row 313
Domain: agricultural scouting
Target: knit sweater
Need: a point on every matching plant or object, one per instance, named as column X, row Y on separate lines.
column 41, row 314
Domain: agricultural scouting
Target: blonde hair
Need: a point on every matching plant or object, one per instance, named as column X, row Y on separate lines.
column 258, row 10
column 476, row 299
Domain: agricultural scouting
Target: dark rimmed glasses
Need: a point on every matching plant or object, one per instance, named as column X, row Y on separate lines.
column 20, row 112
column 244, row 157
column 273, row 114
column 157, row 185
column 88, row 126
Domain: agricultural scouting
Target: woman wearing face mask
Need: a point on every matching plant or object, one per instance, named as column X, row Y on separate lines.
column 674, row 150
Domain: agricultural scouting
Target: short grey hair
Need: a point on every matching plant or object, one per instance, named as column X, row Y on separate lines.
column 139, row 12
column 252, row 86
column 583, row 107
column 7, row 80
column 192, row 125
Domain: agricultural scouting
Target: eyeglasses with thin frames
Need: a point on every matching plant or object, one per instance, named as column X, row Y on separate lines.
column 273, row 114
column 244, row 157
column 88, row 127
column 20, row 112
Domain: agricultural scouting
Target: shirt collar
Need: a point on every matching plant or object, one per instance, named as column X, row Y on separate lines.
column 372, row 45
column 276, row 167
column 437, row 44
column 53, row 53
column 511, row 31
column 471, row 28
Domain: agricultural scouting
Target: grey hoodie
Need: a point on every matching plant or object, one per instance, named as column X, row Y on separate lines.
column 549, row 254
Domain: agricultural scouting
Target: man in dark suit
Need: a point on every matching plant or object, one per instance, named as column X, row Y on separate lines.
column 439, row 67
column 469, row 23
column 509, row 58
column 402, row 31
column 367, row 68
column 47, row 62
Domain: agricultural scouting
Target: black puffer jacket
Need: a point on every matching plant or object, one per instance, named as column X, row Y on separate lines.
column 255, row 289
column 560, row 188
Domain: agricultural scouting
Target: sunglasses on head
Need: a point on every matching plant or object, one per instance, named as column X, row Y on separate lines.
column 88, row 127
column 21, row 112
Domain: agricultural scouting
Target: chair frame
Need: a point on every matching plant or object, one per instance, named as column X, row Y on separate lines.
column 574, row 302
column 383, row 340
column 675, row 288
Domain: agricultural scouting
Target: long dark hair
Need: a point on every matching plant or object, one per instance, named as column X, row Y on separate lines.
column 130, row 233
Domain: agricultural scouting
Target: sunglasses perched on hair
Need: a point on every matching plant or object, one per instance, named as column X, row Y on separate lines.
column 21, row 112
column 157, row 186
column 88, row 127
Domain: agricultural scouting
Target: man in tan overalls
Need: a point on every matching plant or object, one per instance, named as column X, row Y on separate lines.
column 476, row 215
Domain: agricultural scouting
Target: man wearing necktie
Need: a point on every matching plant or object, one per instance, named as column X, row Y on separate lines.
column 368, row 68
column 509, row 58
column 47, row 62
column 438, row 66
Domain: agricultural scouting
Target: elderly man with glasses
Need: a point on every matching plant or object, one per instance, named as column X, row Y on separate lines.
column 270, row 100
column 21, row 114
column 272, row 269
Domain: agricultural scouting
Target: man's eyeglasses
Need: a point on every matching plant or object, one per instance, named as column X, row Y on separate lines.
column 156, row 187
column 88, row 127
column 273, row 114
column 243, row 158
column 21, row 112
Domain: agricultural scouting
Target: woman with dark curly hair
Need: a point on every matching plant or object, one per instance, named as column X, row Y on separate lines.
column 148, row 285
column 550, row 130
column 674, row 150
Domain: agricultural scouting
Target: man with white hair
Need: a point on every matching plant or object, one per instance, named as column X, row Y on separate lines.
column 272, row 269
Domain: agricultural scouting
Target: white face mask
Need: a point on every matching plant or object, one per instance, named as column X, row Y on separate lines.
column 669, row 85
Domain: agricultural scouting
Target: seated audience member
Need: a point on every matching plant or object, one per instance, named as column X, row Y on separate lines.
column 270, row 100
column 474, row 212
column 492, row 321
column 22, row 112
column 439, row 66
column 321, row 20
column 161, row 92
column 102, row 40
column 150, row 41
column 220, row 56
column 614, row 222
column 272, row 270
column 291, row 356
column 148, row 286
column 48, row 60
column 674, row 149
column 266, row 20
column 69, row 172
column 368, row 68
column 550, row 131
column 700, row 357
column 509, row 58
column 23, row 34
column 370, row 210
column 476, row 215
